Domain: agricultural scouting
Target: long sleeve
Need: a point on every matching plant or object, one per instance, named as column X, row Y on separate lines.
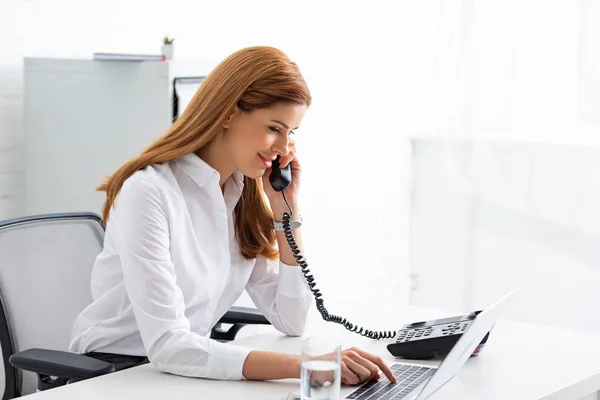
column 141, row 230
column 281, row 293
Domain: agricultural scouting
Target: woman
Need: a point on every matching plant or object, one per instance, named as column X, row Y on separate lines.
column 190, row 225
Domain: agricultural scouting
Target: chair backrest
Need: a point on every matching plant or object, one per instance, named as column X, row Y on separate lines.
column 45, row 269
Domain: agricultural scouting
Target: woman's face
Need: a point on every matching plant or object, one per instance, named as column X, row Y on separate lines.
column 256, row 138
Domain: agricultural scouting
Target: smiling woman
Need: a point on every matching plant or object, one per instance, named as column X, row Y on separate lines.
column 253, row 139
column 190, row 225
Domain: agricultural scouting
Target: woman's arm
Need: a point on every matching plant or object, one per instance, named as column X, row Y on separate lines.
column 266, row 365
column 357, row 366
column 285, row 252
column 281, row 294
column 279, row 289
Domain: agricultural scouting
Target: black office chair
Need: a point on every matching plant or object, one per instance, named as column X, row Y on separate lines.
column 45, row 267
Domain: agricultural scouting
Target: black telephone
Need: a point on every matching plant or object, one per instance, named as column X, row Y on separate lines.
column 419, row 340
column 427, row 339
column 280, row 178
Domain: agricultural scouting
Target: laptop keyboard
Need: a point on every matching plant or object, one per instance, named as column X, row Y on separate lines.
column 408, row 378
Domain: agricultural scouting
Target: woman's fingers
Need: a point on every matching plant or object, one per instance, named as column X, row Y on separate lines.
column 378, row 362
column 284, row 161
column 321, row 378
column 359, row 366
column 348, row 377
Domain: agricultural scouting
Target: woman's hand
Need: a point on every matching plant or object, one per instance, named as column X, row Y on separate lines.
column 291, row 192
column 359, row 366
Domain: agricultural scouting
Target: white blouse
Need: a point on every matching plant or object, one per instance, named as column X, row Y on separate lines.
column 170, row 269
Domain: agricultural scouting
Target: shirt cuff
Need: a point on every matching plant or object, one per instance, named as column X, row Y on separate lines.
column 292, row 282
column 226, row 361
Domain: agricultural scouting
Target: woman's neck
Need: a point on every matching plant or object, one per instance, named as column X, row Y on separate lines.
column 215, row 155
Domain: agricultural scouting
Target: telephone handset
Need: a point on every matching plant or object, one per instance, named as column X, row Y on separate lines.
column 280, row 179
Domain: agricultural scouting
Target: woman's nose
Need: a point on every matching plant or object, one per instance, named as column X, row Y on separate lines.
column 282, row 147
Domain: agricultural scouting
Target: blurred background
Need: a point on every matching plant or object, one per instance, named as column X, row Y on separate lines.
column 452, row 151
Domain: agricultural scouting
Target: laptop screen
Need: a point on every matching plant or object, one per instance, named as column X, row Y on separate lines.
column 464, row 347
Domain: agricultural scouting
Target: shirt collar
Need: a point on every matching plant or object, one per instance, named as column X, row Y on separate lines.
column 201, row 172
column 198, row 169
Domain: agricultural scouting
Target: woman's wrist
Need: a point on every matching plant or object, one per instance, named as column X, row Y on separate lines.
column 264, row 365
column 295, row 367
column 280, row 207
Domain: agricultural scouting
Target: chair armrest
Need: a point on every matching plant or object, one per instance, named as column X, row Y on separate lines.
column 60, row 364
column 238, row 317
column 244, row 315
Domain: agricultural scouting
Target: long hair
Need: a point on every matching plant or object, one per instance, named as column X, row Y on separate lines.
column 252, row 78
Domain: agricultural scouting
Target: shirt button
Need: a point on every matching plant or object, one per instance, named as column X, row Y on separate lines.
column 224, row 375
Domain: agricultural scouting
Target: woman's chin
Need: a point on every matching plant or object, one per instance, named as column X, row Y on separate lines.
column 254, row 173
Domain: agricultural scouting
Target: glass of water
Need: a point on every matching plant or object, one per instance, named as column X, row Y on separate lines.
column 321, row 368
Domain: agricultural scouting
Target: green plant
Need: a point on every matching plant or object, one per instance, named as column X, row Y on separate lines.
column 166, row 40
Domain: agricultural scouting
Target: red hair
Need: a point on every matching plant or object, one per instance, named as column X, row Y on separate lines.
column 252, row 78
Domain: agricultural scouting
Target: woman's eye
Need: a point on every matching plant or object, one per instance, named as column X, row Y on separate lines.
column 274, row 129
column 292, row 132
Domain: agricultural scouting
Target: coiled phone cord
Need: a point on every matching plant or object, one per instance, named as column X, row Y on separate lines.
column 289, row 235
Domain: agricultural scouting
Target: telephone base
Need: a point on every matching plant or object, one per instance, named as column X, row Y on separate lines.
column 428, row 351
column 428, row 339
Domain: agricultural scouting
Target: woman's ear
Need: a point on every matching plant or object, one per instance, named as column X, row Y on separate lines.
column 228, row 121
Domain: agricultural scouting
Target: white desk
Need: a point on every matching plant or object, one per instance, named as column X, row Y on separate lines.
column 520, row 361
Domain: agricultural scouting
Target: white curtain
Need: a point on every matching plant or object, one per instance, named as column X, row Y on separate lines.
column 514, row 91
column 506, row 158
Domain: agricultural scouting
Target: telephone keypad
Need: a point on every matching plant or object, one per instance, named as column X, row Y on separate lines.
column 424, row 332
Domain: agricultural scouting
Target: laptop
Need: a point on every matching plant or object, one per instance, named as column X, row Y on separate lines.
column 418, row 382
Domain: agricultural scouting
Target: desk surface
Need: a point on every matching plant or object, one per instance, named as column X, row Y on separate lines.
column 520, row 361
